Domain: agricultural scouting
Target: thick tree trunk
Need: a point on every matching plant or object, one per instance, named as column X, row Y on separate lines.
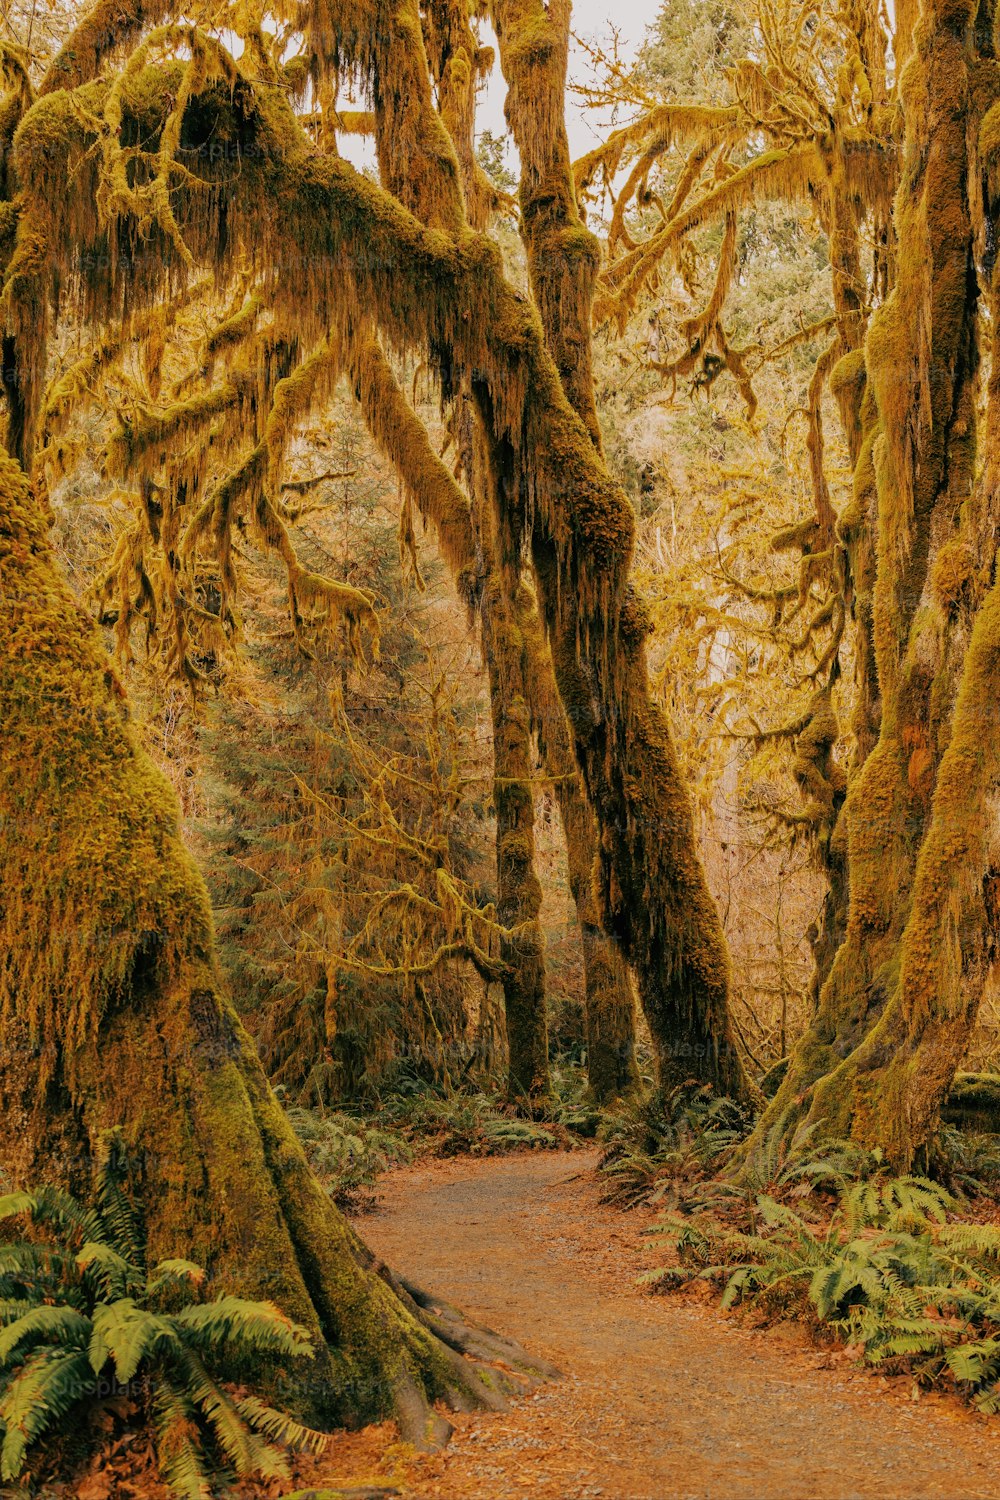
column 895, row 1013
column 889, row 1090
column 112, row 1017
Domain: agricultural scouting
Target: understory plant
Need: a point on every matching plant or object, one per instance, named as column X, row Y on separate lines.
column 347, row 1153
column 885, row 1270
column 476, row 1123
column 662, row 1146
column 84, row 1320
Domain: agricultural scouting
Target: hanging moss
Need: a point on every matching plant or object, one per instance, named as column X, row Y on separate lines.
column 330, row 240
column 113, row 1016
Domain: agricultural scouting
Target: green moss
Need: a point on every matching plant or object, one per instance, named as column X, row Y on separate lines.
column 113, row 1015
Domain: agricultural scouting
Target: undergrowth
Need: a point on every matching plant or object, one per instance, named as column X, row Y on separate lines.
column 820, row 1231
column 87, row 1327
column 347, row 1153
column 350, row 1148
column 474, row 1124
column 660, row 1147
column 673, row 1148
column 888, row 1272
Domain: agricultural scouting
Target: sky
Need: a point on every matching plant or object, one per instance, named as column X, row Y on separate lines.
column 592, row 20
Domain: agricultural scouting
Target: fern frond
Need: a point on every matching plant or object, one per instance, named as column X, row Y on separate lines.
column 170, row 1274
column 251, row 1326
column 47, row 1325
column 128, row 1335
column 122, row 1222
column 244, row 1449
column 42, row 1392
column 975, row 1362
column 280, row 1427
column 14, row 1308
column 178, row 1443
column 53, row 1208
column 972, row 1239
column 113, row 1275
column 24, row 1266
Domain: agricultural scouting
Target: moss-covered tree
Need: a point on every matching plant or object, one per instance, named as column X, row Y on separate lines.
column 910, row 558
column 115, row 1019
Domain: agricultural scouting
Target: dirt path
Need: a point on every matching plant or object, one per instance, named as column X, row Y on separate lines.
column 660, row 1398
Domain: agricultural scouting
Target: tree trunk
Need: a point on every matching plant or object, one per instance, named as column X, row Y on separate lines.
column 492, row 1058
column 519, row 891
column 609, row 1003
column 895, row 1013
column 113, row 1017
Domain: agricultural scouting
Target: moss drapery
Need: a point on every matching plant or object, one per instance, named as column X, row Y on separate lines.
column 113, row 1018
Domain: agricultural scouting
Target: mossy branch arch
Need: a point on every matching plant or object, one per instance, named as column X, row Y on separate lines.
column 339, row 242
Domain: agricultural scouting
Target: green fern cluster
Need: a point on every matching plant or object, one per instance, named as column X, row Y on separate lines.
column 663, row 1146
column 347, row 1154
column 887, row 1272
column 82, row 1317
column 474, row 1124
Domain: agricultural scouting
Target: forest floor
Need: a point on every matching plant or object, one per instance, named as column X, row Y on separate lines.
column 662, row 1396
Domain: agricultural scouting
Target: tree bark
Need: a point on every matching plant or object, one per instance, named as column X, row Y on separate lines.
column 519, row 891
column 896, row 1011
column 113, row 1018
column 609, row 1002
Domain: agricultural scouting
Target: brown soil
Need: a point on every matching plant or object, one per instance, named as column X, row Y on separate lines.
column 660, row 1397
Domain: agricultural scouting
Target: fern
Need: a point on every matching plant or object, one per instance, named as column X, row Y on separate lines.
column 346, row 1154
column 48, row 1386
column 887, row 1272
column 663, row 1147
column 85, row 1310
column 280, row 1427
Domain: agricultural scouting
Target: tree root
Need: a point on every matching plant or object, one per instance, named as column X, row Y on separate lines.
column 485, row 1368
